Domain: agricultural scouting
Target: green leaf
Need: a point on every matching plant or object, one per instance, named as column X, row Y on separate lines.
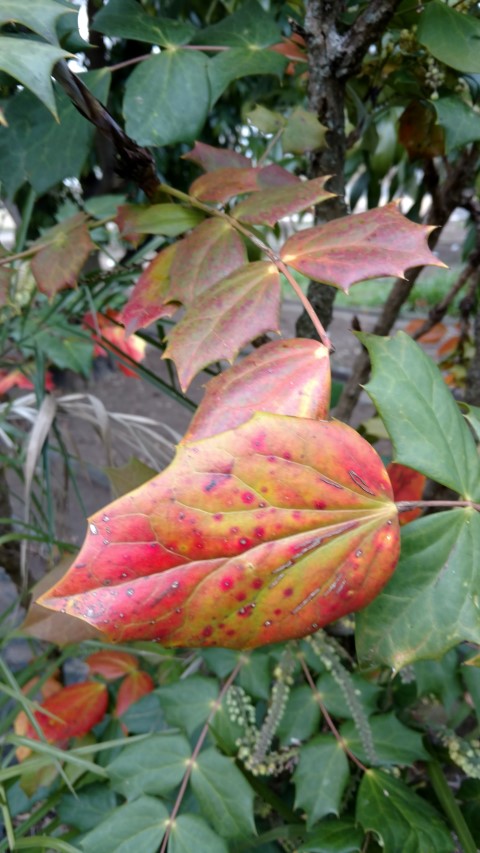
column 450, row 36
column 167, row 98
column 267, row 121
column 320, row 778
column 254, row 675
column 421, row 416
column 334, row 699
column 191, row 832
column 152, row 766
column 144, row 716
column 26, row 145
column 248, row 27
column 65, row 348
column 239, row 62
column 88, row 807
column 168, row 219
column 137, row 826
column 333, row 836
column 129, row 476
column 126, row 19
column 472, row 415
column 430, row 603
column 303, row 132
column 40, row 16
column 225, row 797
column 220, row 661
column 394, row 743
column 460, row 123
column 187, row 703
column 302, row 716
column 31, row 62
column 403, row 822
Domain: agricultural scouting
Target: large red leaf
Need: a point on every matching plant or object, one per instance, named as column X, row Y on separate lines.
column 210, row 158
column 150, row 300
column 407, row 485
column 209, row 253
column 268, row 206
column 222, row 184
column 66, row 248
column 256, row 535
column 77, row 709
column 132, row 688
column 283, row 377
column 354, row 248
column 227, row 316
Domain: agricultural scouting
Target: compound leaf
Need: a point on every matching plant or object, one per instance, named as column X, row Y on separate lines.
column 31, row 62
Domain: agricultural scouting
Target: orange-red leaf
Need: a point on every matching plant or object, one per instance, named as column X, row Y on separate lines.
column 407, row 485
column 449, row 346
column 419, row 132
column 132, row 688
column 210, row 158
column 268, row 206
column 283, row 377
column 227, row 316
column 260, row 534
column 113, row 337
column 379, row 242
column 433, row 336
column 111, row 664
column 76, row 709
column 222, row 184
column 66, row 247
column 209, row 253
column 150, row 299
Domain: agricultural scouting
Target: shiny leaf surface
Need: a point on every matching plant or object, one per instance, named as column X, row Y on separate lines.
column 268, row 206
column 283, row 377
column 31, row 62
column 40, row 16
column 222, row 184
column 66, row 247
column 256, row 535
column 379, row 242
column 227, row 316
column 126, row 19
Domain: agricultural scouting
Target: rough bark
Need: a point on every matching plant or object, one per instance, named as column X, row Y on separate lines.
column 472, row 394
column 332, row 59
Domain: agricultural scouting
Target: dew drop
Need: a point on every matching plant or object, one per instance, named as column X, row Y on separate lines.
column 314, row 626
column 242, row 541
column 178, row 610
column 89, row 612
column 121, row 615
column 359, row 553
column 389, row 522
column 267, row 623
column 152, row 621
column 63, row 610
column 123, row 575
column 175, row 585
column 130, row 592
column 93, row 529
column 105, row 541
column 106, row 518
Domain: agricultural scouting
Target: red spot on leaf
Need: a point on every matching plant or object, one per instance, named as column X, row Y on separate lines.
column 248, row 497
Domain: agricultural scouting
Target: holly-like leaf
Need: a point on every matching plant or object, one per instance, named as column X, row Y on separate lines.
column 394, row 743
column 460, row 123
column 250, row 26
column 31, row 62
column 239, row 62
column 86, row 808
column 40, row 16
column 126, row 19
column 150, row 300
column 409, row 393
column 450, row 36
column 187, row 703
column 320, row 794
column 227, row 316
column 170, row 220
column 283, row 377
column 408, row 485
column 303, row 132
column 268, row 206
column 256, row 535
column 76, row 709
column 333, row 836
column 401, row 820
column 137, row 825
column 267, row 121
column 430, row 603
column 167, row 98
column 111, row 664
column 210, row 158
column 135, row 685
column 212, row 251
column 191, row 832
column 62, row 254
column 223, row 183
column 225, row 797
column 380, row 242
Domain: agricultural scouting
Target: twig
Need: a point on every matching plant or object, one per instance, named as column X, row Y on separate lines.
column 405, row 506
column 329, row 721
column 440, row 309
column 191, row 762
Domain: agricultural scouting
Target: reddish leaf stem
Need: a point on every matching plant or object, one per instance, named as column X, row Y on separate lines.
column 329, row 721
column 306, row 304
column 191, row 762
column 145, row 56
column 404, row 506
